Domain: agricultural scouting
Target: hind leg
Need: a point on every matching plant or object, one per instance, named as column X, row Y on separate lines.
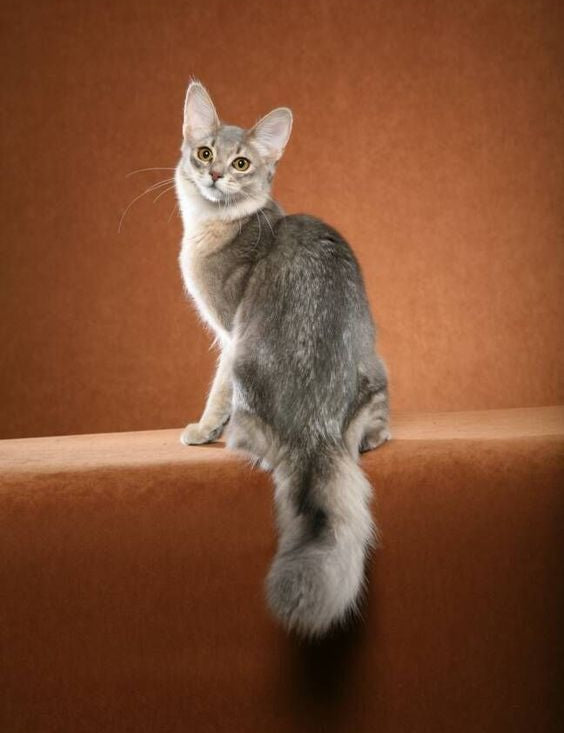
column 250, row 434
column 376, row 427
column 369, row 427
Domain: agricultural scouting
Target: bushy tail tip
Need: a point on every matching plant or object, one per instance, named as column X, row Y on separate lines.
column 326, row 529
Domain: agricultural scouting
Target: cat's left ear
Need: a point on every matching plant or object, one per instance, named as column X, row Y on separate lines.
column 271, row 134
column 200, row 117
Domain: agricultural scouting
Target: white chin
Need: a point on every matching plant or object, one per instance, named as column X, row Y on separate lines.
column 212, row 194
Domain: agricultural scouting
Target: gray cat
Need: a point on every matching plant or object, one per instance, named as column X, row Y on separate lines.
column 298, row 378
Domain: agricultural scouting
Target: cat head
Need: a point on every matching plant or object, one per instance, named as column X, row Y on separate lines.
column 230, row 168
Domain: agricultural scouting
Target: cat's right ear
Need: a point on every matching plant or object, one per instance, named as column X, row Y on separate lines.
column 200, row 117
column 271, row 134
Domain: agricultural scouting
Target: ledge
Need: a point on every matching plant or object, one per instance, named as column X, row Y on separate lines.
column 132, row 573
column 154, row 448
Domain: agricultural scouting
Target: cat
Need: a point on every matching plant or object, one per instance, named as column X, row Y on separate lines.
column 298, row 378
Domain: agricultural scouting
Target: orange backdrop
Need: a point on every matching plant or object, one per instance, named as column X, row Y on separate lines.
column 430, row 133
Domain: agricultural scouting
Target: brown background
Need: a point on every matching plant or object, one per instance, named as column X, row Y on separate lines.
column 430, row 133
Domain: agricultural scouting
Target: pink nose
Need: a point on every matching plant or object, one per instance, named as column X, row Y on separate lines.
column 215, row 175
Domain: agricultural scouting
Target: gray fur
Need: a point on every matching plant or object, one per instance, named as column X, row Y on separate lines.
column 299, row 378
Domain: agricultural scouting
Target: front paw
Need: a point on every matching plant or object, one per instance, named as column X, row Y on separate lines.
column 196, row 434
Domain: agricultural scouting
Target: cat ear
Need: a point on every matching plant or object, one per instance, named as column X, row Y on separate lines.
column 200, row 117
column 272, row 132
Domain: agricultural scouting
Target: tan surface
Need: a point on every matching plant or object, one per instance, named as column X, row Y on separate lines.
column 430, row 133
column 153, row 448
column 132, row 573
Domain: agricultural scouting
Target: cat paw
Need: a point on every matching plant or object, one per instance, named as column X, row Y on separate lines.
column 195, row 434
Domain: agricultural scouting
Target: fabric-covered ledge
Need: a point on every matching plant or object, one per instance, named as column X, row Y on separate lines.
column 132, row 571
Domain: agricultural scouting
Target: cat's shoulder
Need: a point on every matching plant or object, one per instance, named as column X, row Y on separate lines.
column 306, row 224
column 308, row 230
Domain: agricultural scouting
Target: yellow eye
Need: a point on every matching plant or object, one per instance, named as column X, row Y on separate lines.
column 241, row 164
column 205, row 154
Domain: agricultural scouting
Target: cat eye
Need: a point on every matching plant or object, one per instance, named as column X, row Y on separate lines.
column 241, row 164
column 204, row 153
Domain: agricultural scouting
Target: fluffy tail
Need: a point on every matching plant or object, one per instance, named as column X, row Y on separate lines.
column 326, row 530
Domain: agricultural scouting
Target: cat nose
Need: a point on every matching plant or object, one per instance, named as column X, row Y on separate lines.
column 215, row 175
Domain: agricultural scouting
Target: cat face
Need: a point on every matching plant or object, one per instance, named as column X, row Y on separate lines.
column 229, row 166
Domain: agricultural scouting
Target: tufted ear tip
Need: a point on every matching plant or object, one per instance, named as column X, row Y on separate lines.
column 194, row 84
column 200, row 116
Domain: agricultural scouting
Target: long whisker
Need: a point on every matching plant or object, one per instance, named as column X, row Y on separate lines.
column 148, row 190
column 259, row 211
column 251, row 198
column 172, row 212
column 233, row 205
column 162, row 193
column 144, row 170
column 267, row 221
column 239, row 217
column 226, row 204
column 260, row 229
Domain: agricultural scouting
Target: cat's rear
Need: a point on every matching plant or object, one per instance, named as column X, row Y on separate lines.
column 308, row 389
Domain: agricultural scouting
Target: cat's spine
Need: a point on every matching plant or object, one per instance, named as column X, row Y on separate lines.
column 326, row 530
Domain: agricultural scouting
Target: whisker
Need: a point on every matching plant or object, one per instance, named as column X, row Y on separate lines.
column 162, row 193
column 234, row 206
column 267, row 221
column 143, row 170
column 175, row 207
column 260, row 230
column 241, row 217
column 259, row 211
column 148, row 190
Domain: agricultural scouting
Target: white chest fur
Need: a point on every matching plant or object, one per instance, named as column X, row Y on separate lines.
column 207, row 228
column 201, row 240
